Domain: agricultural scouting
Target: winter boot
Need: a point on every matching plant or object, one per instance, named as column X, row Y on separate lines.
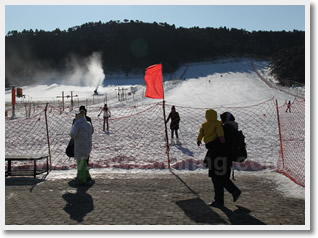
column 172, row 142
column 236, row 195
column 178, row 141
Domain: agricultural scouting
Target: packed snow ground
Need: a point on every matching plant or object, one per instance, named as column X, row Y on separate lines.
column 205, row 85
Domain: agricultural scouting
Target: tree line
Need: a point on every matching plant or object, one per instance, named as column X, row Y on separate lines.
column 130, row 46
column 288, row 65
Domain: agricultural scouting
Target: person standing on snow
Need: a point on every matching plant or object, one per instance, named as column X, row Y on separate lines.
column 212, row 134
column 82, row 108
column 82, row 132
column 174, row 125
column 288, row 106
column 106, row 116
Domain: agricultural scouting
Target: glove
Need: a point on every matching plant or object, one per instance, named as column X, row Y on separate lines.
column 198, row 143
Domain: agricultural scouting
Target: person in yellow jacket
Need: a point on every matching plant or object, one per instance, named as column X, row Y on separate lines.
column 211, row 130
column 212, row 134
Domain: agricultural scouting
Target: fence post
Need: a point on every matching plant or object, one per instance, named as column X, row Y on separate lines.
column 13, row 101
column 280, row 134
column 47, row 135
column 63, row 100
column 166, row 132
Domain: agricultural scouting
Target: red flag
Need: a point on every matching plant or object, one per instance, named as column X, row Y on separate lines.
column 153, row 79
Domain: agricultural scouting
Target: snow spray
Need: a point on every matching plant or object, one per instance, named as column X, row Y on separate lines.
column 86, row 72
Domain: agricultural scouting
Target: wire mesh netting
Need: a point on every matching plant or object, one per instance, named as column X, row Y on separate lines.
column 26, row 136
column 258, row 123
column 137, row 139
column 136, row 136
column 291, row 160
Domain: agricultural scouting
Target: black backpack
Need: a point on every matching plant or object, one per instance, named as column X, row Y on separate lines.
column 239, row 147
column 70, row 148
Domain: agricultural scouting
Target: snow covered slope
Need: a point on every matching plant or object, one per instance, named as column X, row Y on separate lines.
column 224, row 83
column 220, row 85
column 227, row 83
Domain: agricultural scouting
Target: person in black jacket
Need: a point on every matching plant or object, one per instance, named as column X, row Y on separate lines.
column 222, row 170
column 82, row 108
column 288, row 106
column 174, row 125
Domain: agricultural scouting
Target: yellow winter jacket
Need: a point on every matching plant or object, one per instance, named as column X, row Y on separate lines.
column 211, row 129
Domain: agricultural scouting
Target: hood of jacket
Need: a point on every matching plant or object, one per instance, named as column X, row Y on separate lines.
column 211, row 129
column 210, row 115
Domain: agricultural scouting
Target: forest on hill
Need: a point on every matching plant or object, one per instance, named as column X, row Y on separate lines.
column 131, row 46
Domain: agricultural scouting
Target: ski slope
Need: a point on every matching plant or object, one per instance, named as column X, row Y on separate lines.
column 228, row 83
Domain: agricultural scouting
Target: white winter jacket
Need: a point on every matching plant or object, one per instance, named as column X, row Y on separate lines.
column 107, row 113
column 82, row 132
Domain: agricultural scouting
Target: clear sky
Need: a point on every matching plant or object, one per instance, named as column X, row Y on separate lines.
column 248, row 17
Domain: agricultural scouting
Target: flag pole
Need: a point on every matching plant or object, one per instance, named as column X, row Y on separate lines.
column 164, row 118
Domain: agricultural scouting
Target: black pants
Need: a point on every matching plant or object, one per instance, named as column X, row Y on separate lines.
column 221, row 182
column 105, row 122
column 176, row 131
column 220, row 171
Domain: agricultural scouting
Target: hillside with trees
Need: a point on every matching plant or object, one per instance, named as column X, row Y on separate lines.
column 131, row 46
column 288, row 65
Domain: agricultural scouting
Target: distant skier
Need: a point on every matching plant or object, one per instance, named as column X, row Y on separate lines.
column 106, row 115
column 174, row 125
column 288, row 106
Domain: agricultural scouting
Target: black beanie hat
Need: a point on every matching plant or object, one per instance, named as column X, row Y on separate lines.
column 227, row 116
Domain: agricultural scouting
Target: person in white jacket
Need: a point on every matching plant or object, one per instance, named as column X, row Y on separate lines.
column 106, row 116
column 82, row 132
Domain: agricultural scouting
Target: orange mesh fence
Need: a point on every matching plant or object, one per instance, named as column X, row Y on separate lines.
column 26, row 136
column 136, row 137
column 258, row 123
column 291, row 160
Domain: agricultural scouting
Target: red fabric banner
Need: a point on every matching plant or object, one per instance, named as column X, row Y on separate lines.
column 153, row 79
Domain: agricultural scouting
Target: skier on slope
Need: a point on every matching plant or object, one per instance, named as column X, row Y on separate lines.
column 106, row 115
column 174, row 125
column 288, row 107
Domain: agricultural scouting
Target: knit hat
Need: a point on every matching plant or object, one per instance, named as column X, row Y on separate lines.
column 82, row 108
column 227, row 116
